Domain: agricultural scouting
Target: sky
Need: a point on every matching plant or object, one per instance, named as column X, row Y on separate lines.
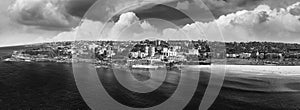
column 36, row 21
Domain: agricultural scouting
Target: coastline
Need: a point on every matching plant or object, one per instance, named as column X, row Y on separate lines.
column 264, row 70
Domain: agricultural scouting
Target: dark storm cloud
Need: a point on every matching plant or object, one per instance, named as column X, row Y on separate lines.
column 79, row 7
column 295, row 9
column 221, row 7
column 43, row 14
column 216, row 7
column 160, row 11
column 166, row 13
column 279, row 3
column 65, row 14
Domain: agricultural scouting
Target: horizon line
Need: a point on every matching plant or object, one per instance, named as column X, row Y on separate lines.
column 15, row 45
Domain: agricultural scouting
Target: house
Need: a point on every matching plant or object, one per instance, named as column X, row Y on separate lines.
column 193, row 52
column 293, row 51
column 232, row 55
column 245, row 55
column 274, row 55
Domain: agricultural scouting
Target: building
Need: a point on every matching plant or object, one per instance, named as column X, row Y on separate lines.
column 142, row 54
column 151, row 51
column 134, row 54
column 232, row 55
column 245, row 55
column 193, row 52
column 147, row 50
column 293, row 51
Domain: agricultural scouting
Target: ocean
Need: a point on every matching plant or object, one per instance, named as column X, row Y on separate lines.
column 32, row 85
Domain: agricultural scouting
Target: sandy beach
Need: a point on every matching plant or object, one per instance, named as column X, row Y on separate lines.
column 263, row 70
column 249, row 69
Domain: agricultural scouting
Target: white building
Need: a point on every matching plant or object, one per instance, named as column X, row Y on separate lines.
column 193, row 52
column 152, row 51
column 134, row 54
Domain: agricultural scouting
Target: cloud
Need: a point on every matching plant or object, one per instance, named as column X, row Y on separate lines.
column 91, row 30
column 125, row 21
column 58, row 14
column 88, row 30
column 42, row 13
column 221, row 7
column 78, row 7
column 183, row 5
column 279, row 3
column 294, row 9
column 130, row 27
column 147, row 26
column 175, row 34
column 259, row 24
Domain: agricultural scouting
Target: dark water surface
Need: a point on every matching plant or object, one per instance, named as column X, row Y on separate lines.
column 38, row 86
column 52, row 86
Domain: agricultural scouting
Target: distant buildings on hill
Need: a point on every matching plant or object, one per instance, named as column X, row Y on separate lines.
column 168, row 51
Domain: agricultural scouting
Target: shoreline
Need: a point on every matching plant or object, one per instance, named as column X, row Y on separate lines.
column 231, row 70
column 70, row 61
